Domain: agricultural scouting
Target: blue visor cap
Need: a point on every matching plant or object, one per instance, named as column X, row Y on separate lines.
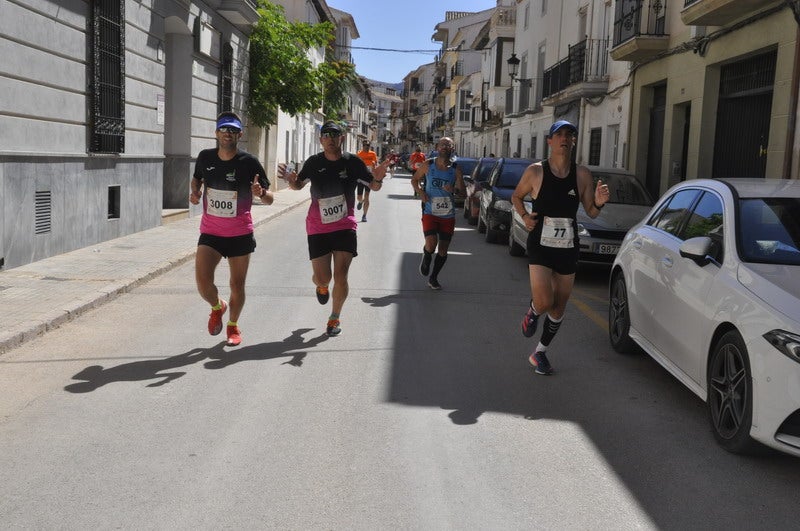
column 229, row 121
column 562, row 123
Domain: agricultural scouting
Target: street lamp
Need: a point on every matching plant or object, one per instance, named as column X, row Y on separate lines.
column 513, row 65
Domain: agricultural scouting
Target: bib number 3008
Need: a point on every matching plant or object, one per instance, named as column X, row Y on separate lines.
column 221, row 203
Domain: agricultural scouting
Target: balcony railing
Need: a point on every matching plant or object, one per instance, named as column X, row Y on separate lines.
column 505, row 16
column 640, row 17
column 586, row 61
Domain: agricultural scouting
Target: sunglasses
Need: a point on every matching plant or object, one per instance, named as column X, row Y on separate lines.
column 330, row 134
column 227, row 129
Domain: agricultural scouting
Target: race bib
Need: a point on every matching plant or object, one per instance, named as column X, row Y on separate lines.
column 332, row 209
column 557, row 232
column 221, row 203
column 441, row 206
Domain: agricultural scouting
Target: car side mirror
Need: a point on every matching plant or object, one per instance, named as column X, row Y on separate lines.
column 698, row 250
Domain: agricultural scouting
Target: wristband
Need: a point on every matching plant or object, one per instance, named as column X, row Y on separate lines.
column 598, row 207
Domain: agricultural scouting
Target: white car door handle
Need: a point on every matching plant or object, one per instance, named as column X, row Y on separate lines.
column 637, row 244
column 667, row 261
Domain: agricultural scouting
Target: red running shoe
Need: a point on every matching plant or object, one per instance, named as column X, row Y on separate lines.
column 234, row 335
column 215, row 319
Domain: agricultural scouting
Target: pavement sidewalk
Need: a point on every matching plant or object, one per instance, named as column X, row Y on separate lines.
column 50, row 292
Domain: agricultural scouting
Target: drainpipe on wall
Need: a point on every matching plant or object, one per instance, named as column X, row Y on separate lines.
column 790, row 158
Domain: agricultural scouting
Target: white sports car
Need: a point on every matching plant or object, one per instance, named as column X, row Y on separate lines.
column 708, row 284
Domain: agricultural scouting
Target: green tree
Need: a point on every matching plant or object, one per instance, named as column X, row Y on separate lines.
column 281, row 74
column 339, row 77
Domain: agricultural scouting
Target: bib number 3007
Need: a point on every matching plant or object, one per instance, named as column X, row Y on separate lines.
column 332, row 209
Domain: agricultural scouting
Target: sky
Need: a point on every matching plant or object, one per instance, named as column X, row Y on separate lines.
column 398, row 25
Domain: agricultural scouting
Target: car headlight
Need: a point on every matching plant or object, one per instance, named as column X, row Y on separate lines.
column 502, row 204
column 582, row 231
column 787, row 342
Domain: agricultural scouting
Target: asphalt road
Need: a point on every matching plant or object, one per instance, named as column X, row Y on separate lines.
column 423, row 414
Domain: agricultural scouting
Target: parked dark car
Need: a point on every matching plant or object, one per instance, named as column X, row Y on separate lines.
column 494, row 217
column 601, row 237
column 474, row 183
column 467, row 165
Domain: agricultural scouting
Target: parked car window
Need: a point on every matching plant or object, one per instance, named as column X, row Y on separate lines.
column 624, row 189
column 770, row 230
column 706, row 220
column 669, row 217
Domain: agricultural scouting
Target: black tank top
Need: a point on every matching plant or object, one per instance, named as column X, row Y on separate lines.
column 558, row 198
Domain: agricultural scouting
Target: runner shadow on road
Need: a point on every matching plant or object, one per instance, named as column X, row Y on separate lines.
column 95, row 376
column 268, row 351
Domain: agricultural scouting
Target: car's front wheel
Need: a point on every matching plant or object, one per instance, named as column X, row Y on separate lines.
column 730, row 394
column 619, row 319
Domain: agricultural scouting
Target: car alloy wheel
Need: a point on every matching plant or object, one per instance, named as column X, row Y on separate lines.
column 730, row 394
column 619, row 322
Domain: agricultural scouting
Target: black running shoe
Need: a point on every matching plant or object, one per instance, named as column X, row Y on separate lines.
column 434, row 283
column 323, row 294
column 425, row 264
column 541, row 363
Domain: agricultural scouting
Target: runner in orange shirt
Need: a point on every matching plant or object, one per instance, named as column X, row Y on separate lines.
column 370, row 158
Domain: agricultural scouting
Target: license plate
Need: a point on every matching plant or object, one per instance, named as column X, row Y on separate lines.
column 606, row 248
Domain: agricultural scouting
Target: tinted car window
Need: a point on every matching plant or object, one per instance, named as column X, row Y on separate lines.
column 674, row 211
column 625, row 189
column 511, row 174
column 770, row 230
column 706, row 220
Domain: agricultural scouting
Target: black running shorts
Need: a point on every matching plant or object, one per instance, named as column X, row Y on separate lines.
column 229, row 246
column 340, row 240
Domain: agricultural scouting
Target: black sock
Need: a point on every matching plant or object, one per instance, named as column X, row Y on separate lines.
column 438, row 264
column 549, row 329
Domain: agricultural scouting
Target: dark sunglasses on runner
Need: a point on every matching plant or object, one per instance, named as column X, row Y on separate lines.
column 228, row 129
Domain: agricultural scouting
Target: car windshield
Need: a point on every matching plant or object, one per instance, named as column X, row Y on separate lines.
column 512, row 173
column 769, row 230
column 625, row 189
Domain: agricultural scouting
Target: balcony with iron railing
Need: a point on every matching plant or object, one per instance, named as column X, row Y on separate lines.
column 239, row 12
column 639, row 30
column 582, row 74
column 720, row 12
column 504, row 17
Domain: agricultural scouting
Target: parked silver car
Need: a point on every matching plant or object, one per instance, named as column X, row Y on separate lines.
column 601, row 237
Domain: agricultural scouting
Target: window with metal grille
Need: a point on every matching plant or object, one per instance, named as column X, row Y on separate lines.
column 107, row 75
column 43, row 210
column 226, row 79
column 595, row 141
